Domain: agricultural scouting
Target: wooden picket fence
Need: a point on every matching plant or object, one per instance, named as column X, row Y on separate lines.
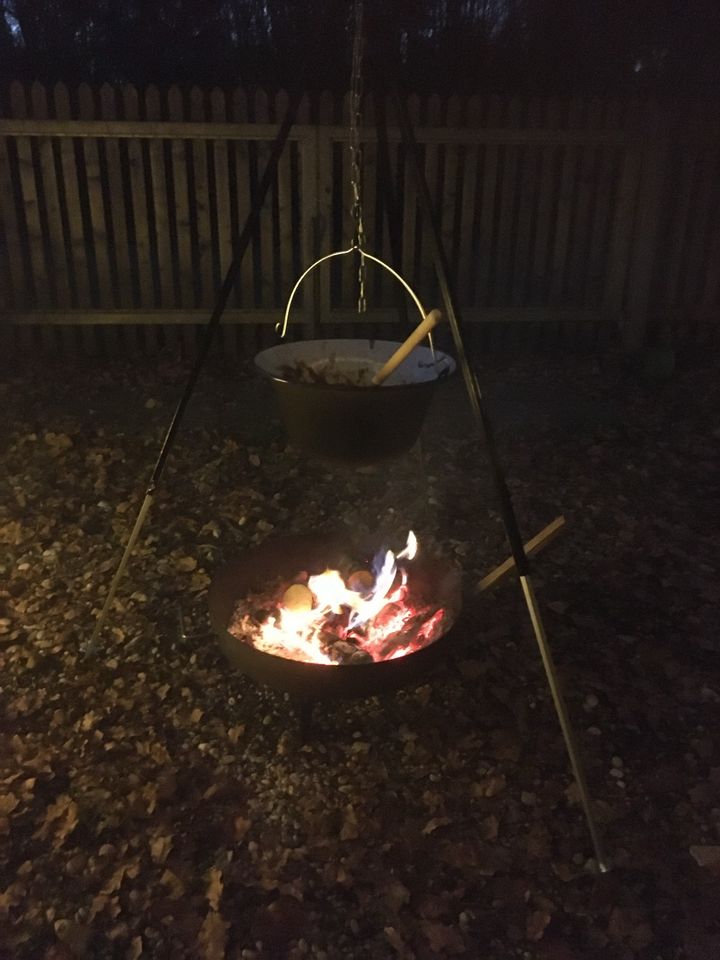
column 118, row 209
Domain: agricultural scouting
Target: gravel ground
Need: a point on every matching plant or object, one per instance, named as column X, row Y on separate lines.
column 157, row 804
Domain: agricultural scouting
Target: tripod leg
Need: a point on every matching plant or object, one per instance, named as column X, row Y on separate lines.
column 507, row 511
column 562, row 714
column 91, row 645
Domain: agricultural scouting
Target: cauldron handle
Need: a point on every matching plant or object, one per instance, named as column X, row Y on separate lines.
column 282, row 327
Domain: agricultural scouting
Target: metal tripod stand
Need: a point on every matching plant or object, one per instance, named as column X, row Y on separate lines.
column 519, row 555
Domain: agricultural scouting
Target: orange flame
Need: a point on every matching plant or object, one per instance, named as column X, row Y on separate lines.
column 299, row 633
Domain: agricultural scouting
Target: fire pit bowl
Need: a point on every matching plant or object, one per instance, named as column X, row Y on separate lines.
column 348, row 423
column 314, row 681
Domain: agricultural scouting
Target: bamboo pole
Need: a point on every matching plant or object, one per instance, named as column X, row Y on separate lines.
column 532, row 547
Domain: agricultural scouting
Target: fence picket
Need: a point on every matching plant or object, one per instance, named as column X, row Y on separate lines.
column 222, row 253
column 345, row 270
column 141, row 340
column 645, row 235
column 706, row 187
column 141, row 242
column 30, row 205
column 245, row 294
column 325, row 117
column 178, row 153
column 452, row 161
column 201, row 201
column 309, row 214
column 540, row 268
column 707, row 311
column 99, row 240
column 285, row 235
column 372, row 214
column 621, row 231
column 580, row 223
column 467, row 212
column 409, row 206
column 530, row 165
column 164, row 292
column 71, row 173
column 607, row 161
column 566, row 198
column 487, row 207
column 508, row 192
column 14, row 280
column 184, row 278
column 431, row 166
column 55, row 236
column 263, row 240
column 114, row 162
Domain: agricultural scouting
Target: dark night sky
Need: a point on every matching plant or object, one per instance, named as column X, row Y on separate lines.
column 562, row 46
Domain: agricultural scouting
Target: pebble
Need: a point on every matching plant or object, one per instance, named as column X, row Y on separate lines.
column 618, row 774
column 590, row 702
column 594, row 731
column 617, row 762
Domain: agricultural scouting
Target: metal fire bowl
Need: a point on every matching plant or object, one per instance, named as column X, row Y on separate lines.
column 437, row 579
column 359, row 425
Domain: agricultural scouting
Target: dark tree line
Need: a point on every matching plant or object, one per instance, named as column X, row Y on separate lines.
column 465, row 46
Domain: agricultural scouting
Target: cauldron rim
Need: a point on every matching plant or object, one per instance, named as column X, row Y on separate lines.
column 414, row 386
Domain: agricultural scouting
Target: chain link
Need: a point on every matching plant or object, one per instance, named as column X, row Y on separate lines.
column 356, row 92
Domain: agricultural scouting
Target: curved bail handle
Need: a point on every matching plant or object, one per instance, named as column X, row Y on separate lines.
column 282, row 327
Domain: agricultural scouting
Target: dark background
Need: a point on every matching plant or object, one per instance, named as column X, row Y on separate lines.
column 463, row 46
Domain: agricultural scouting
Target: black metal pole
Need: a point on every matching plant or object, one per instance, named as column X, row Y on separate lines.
column 239, row 249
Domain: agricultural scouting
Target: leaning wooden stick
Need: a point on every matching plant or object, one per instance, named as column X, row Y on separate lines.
column 418, row 334
column 539, row 541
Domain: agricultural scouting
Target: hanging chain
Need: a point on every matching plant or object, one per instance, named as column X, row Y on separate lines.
column 356, row 150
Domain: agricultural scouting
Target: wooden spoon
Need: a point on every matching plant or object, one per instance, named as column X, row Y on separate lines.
column 418, row 334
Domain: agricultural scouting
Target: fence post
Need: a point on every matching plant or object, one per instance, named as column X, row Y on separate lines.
column 645, row 236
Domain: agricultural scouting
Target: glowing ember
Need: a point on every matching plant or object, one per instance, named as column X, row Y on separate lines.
column 357, row 616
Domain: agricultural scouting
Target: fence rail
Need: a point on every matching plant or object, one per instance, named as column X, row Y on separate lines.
column 118, row 210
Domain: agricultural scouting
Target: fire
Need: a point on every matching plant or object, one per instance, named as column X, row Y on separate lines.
column 369, row 615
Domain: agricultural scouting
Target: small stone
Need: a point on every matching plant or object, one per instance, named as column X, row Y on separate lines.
column 618, row 774
column 705, row 856
column 617, row 762
column 590, row 702
column 298, row 597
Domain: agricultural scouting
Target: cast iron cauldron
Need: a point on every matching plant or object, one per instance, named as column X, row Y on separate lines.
column 362, row 424
column 283, row 557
